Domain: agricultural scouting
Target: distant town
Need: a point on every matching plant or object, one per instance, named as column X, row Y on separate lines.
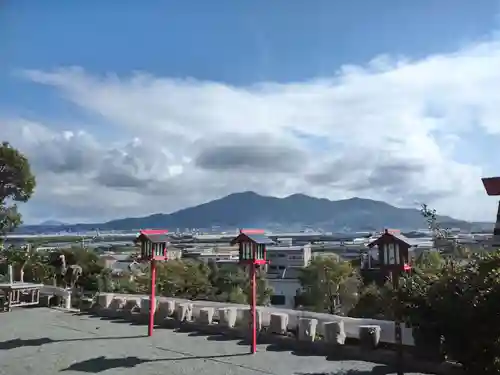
column 290, row 252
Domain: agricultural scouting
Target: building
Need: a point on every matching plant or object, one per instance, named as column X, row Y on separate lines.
column 215, row 253
column 285, row 261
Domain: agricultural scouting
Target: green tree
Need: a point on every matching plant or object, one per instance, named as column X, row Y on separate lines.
column 231, row 283
column 461, row 305
column 442, row 239
column 328, row 281
column 88, row 260
column 429, row 262
column 375, row 302
column 184, row 279
column 17, row 184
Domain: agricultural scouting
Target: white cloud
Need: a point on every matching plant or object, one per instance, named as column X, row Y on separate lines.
column 369, row 131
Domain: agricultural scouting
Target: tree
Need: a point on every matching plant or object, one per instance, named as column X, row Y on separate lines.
column 374, row 302
column 183, row 279
column 231, row 283
column 429, row 262
column 17, row 184
column 442, row 239
column 328, row 281
column 461, row 305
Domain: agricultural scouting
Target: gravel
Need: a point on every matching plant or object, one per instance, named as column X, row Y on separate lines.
column 41, row 341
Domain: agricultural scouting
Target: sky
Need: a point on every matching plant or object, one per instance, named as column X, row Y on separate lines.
column 128, row 108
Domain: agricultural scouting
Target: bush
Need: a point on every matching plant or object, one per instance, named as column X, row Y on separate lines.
column 374, row 303
column 461, row 304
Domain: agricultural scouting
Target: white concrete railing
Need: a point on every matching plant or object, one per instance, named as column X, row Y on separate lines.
column 51, row 290
column 351, row 325
column 55, row 290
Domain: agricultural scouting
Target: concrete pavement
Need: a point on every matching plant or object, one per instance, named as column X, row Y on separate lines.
column 41, row 341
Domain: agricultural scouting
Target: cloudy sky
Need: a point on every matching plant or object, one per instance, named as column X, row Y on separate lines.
column 152, row 106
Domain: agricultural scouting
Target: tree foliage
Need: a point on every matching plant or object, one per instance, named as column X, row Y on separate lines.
column 231, row 283
column 190, row 279
column 327, row 282
column 374, row 302
column 442, row 239
column 17, row 184
column 459, row 307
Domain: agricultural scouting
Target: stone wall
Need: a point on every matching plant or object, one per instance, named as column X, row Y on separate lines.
column 351, row 326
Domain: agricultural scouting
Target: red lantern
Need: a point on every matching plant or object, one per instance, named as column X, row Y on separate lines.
column 153, row 244
column 393, row 253
column 252, row 251
column 153, row 248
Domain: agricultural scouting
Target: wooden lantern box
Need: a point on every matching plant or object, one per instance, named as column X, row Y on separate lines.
column 153, row 244
column 252, row 246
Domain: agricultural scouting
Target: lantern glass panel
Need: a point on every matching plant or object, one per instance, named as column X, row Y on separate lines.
column 259, row 252
column 244, row 251
column 392, row 254
column 389, row 257
column 249, row 254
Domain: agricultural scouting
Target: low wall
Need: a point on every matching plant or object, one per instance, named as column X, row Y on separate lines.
column 49, row 291
column 55, row 291
column 351, row 325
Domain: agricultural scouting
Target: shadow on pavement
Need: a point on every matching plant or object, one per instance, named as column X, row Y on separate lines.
column 378, row 370
column 18, row 343
column 100, row 364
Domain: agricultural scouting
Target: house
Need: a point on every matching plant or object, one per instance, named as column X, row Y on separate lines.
column 286, row 261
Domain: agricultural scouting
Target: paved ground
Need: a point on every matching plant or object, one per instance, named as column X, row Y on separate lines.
column 44, row 342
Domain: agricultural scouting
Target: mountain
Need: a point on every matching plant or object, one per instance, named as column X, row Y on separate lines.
column 297, row 211
column 52, row 223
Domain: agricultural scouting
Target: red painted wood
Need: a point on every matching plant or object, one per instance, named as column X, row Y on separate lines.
column 152, row 299
column 492, row 185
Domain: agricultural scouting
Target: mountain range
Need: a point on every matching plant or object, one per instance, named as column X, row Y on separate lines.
column 298, row 211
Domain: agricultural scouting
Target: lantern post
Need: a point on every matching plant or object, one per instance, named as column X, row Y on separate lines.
column 492, row 187
column 252, row 253
column 153, row 249
column 393, row 255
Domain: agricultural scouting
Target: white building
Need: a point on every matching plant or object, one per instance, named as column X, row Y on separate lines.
column 284, row 261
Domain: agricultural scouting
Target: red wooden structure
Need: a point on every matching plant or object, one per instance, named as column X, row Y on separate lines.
column 393, row 255
column 153, row 248
column 492, row 187
column 393, row 251
column 252, row 252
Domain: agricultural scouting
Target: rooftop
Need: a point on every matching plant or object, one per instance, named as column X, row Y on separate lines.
column 45, row 342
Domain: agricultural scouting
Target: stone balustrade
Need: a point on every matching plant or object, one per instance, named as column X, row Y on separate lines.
column 333, row 329
column 321, row 334
column 50, row 291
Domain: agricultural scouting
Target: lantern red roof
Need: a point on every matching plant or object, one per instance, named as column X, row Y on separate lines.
column 253, row 231
column 492, row 185
column 153, row 231
column 387, row 236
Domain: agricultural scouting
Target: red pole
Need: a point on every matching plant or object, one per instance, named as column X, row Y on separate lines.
column 152, row 300
column 254, row 315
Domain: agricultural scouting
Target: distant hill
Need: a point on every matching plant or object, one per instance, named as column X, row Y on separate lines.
column 249, row 209
column 52, row 223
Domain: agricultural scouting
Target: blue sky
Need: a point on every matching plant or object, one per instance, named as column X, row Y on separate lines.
column 259, row 50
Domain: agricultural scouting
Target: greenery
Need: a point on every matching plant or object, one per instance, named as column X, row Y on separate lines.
column 451, row 298
column 191, row 279
column 329, row 285
column 17, row 184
